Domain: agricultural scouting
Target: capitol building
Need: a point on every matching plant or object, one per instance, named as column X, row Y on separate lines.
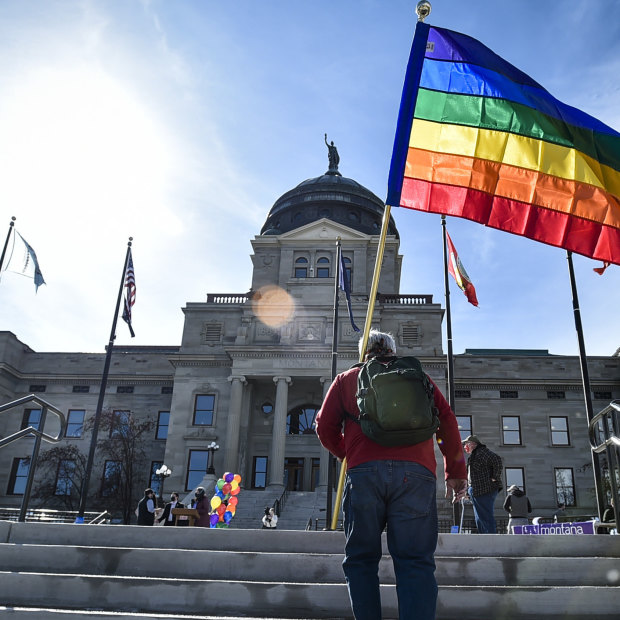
column 252, row 369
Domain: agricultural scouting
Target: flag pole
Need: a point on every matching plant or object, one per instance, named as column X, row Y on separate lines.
column 448, row 317
column 104, row 381
column 451, row 397
column 6, row 243
column 585, row 378
column 330, row 458
column 371, row 307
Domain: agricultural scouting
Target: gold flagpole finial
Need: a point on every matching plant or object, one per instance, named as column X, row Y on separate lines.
column 423, row 10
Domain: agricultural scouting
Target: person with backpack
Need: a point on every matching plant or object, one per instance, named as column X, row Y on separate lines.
column 381, row 415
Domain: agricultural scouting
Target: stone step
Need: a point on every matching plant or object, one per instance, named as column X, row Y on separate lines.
column 300, row 567
column 291, row 600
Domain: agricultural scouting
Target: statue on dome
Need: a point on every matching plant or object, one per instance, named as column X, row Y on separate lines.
column 332, row 154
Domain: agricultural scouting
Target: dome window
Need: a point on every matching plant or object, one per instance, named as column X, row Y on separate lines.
column 322, row 267
column 301, row 267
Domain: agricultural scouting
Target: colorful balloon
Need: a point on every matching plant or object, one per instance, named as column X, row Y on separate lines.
column 235, row 491
column 220, row 483
column 215, row 502
column 237, row 478
column 229, row 477
column 213, row 519
column 233, row 501
column 234, row 484
column 226, row 488
column 227, row 516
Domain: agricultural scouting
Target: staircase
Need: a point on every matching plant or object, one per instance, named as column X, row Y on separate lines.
column 79, row 572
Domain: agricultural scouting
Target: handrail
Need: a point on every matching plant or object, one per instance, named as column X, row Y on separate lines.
column 30, row 430
column 38, row 436
column 279, row 503
column 51, row 516
column 100, row 518
column 604, row 435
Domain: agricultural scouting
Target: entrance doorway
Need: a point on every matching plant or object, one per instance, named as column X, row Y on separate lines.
column 294, row 474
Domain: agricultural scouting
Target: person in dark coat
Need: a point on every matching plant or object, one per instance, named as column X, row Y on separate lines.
column 203, row 506
column 167, row 517
column 484, row 475
column 518, row 506
column 146, row 508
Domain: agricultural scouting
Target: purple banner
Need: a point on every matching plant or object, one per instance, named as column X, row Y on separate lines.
column 562, row 529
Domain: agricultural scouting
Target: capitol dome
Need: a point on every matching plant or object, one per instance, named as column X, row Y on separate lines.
column 330, row 196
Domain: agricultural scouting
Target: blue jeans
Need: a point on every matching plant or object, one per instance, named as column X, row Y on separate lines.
column 401, row 495
column 484, row 511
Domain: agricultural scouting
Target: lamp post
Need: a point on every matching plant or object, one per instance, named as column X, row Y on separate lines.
column 211, row 448
column 163, row 472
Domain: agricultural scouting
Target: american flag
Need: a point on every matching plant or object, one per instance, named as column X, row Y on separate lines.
column 130, row 293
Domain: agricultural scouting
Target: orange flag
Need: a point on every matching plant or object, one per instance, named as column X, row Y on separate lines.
column 457, row 270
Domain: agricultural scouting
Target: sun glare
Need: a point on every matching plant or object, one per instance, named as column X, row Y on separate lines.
column 77, row 141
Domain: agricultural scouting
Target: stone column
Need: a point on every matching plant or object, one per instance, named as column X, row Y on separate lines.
column 278, row 438
column 231, row 458
column 324, row 465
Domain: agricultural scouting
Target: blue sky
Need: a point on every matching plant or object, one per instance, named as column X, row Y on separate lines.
column 180, row 124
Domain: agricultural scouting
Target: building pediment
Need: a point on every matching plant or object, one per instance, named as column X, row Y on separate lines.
column 323, row 229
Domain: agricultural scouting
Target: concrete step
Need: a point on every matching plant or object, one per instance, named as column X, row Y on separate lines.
column 299, row 567
column 71, row 571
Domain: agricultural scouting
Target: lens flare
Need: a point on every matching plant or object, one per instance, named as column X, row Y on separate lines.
column 273, row 305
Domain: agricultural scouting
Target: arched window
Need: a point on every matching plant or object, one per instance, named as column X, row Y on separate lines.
column 347, row 268
column 300, row 421
column 301, row 267
column 322, row 267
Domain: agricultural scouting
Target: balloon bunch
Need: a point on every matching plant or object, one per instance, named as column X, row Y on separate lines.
column 224, row 502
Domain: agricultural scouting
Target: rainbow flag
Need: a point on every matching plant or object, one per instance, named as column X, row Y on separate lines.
column 479, row 139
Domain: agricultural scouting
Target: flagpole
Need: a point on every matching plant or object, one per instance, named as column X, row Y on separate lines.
column 6, row 243
column 104, row 381
column 451, row 397
column 371, row 307
column 330, row 458
column 585, row 377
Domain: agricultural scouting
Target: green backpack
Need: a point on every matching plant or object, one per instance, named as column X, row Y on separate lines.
column 396, row 403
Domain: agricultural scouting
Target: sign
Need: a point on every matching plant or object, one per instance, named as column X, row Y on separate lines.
column 563, row 529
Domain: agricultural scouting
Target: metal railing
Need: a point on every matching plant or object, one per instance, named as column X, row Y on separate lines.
column 38, row 436
column 42, row 515
column 278, row 504
column 604, row 433
column 227, row 298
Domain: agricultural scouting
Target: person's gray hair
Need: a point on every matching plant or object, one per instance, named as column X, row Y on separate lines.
column 380, row 344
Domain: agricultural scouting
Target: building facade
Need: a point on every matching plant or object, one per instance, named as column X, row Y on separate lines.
column 252, row 368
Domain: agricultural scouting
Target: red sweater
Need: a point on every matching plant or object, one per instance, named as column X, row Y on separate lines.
column 360, row 449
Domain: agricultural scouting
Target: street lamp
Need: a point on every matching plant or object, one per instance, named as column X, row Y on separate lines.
column 163, row 472
column 211, row 448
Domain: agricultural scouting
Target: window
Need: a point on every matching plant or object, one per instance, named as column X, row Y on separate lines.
column 32, row 417
column 166, row 389
column 464, row 422
column 511, row 430
column 196, row 468
column 119, row 426
column 300, row 420
column 203, row 410
column 559, row 431
column 316, row 474
column 602, row 395
column 301, row 267
column 19, row 476
column 508, row 394
column 81, row 389
column 163, row 420
column 347, row 269
column 155, row 479
column 322, row 267
column 266, row 408
column 516, row 476
column 124, row 389
column 556, row 394
column 64, row 477
column 75, row 423
column 565, row 486
column 259, row 472
column 36, row 388
column 462, row 393
column 111, row 481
